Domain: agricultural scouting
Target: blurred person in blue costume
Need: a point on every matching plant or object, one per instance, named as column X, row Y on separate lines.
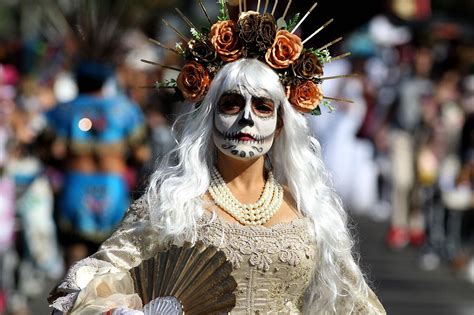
column 95, row 135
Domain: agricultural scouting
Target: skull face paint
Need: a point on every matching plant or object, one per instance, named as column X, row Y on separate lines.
column 244, row 124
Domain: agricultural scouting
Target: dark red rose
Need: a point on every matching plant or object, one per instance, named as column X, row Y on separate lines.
column 248, row 24
column 267, row 32
column 193, row 81
column 308, row 66
column 202, row 51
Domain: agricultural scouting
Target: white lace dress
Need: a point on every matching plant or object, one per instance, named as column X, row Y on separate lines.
column 273, row 266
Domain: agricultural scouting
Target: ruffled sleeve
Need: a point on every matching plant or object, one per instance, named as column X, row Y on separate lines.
column 358, row 302
column 132, row 242
column 372, row 305
column 364, row 305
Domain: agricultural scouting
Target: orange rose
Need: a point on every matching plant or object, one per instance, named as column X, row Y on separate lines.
column 193, row 81
column 225, row 40
column 305, row 97
column 286, row 49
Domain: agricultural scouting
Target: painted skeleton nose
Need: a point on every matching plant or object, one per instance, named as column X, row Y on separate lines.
column 246, row 119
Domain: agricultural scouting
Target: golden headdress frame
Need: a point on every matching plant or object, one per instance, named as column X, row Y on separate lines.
column 256, row 34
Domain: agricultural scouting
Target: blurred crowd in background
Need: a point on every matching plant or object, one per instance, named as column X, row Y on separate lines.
column 403, row 153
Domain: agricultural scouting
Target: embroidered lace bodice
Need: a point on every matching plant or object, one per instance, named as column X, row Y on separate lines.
column 273, row 266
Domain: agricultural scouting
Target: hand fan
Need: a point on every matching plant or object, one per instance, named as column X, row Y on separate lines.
column 192, row 279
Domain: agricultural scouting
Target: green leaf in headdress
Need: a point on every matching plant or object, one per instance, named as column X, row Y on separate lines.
column 329, row 106
column 223, row 11
column 316, row 111
column 167, row 84
column 293, row 21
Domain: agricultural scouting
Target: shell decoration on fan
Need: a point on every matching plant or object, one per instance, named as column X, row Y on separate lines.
column 192, row 279
column 165, row 305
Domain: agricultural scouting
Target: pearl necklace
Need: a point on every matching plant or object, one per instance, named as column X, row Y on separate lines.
column 257, row 213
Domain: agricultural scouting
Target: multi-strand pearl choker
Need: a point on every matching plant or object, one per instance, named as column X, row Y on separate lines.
column 257, row 213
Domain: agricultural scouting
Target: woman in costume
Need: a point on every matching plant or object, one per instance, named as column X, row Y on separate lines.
column 247, row 178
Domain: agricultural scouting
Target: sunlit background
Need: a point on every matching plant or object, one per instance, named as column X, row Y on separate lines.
column 401, row 156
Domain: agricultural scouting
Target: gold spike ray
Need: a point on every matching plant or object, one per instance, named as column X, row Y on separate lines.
column 266, row 7
column 258, row 6
column 304, row 18
column 340, row 57
column 286, row 10
column 175, row 30
column 318, row 30
column 203, row 8
column 330, row 44
column 274, row 7
column 353, row 75
column 154, row 41
column 343, row 100
column 186, row 20
column 159, row 65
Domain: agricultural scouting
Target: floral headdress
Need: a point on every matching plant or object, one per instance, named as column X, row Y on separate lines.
column 254, row 35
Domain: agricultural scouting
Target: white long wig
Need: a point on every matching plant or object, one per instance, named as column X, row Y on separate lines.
column 175, row 189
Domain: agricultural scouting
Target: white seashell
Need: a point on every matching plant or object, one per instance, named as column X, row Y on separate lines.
column 168, row 305
column 126, row 311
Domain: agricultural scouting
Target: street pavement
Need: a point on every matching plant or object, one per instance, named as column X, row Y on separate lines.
column 405, row 289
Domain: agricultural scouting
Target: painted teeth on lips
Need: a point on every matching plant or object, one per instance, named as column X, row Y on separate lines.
column 235, row 136
column 244, row 137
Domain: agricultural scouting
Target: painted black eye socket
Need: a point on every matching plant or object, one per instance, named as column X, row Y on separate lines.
column 263, row 106
column 231, row 103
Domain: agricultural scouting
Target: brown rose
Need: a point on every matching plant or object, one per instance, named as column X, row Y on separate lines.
column 223, row 38
column 267, row 32
column 308, row 66
column 202, row 51
column 305, row 97
column 193, row 81
column 285, row 50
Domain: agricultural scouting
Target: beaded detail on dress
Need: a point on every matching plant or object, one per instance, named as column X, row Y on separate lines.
column 273, row 266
